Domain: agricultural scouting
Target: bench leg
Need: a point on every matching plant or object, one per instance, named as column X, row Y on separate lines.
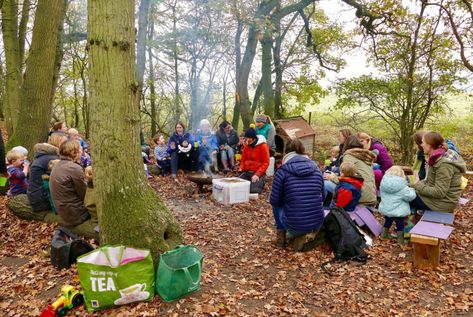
column 426, row 256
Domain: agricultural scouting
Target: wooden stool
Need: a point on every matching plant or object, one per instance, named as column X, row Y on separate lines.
column 426, row 251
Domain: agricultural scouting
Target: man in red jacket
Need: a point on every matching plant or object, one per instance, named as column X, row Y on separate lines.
column 254, row 160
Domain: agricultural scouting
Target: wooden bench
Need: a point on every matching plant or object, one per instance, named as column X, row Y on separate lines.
column 426, row 235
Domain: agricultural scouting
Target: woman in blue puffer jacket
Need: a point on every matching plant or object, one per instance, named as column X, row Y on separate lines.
column 395, row 197
column 297, row 197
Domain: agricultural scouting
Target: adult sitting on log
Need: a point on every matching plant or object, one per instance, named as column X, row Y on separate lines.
column 68, row 185
column 227, row 142
column 43, row 154
column 363, row 160
column 254, row 160
column 297, row 198
column 441, row 189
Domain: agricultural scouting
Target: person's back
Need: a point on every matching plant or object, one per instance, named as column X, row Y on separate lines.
column 298, row 186
column 395, row 196
column 363, row 160
column 37, row 194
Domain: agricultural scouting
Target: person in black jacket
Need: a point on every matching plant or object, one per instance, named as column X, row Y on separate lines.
column 3, row 165
column 227, row 142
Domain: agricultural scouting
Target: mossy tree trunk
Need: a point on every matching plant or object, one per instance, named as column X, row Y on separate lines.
column 130, row 211
column 39, row 78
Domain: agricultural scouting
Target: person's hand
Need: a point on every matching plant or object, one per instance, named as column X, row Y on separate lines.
column 26, row 163
column 254, row 178
column 173, row 146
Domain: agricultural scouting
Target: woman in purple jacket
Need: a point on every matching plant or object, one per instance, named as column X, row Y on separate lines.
column 383, row 159
column 297, row 198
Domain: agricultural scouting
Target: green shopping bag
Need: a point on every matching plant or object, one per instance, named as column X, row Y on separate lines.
column 3, row 181
column 178, row 272
column 116, row 275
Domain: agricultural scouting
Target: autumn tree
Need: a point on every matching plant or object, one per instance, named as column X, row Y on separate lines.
column 130, row 213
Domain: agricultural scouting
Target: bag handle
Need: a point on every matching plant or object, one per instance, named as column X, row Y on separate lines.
column 189, row 277
column 105, row 251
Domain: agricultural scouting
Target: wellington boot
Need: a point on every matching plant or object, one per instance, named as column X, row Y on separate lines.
column 400, row 237
column 281, row 238
column 385, row 233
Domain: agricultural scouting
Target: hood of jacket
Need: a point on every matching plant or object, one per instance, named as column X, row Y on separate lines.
column 260, row 139
column 364, row 155
column 356, row 181
column 453, row 158
column 299, row 166
column 41, row 149
column 392, row 184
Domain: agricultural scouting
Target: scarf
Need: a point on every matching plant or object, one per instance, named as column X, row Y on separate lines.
column 435, row 155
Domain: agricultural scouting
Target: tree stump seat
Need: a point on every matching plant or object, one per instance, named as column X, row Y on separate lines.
column 20, row 206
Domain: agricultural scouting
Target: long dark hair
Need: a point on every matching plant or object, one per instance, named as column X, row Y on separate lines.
column 352, row 142
column 295, row 145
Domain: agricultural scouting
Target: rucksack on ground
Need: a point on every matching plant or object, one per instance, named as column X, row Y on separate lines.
column 66, row 247
column 343, row 236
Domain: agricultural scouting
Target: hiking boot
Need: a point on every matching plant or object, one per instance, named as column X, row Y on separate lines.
column 281, row 238
column 400, row 237
column 385, row 233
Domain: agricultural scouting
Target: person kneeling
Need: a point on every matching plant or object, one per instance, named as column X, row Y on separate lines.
column 254, row 160
column 297, row 199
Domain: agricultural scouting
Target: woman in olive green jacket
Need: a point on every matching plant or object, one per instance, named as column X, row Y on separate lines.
column 441, row 188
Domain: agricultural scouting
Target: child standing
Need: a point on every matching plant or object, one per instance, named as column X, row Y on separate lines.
column 347, row 194
column 395, row 198
column 17, row 170
column 90, row 201
column 161, row 154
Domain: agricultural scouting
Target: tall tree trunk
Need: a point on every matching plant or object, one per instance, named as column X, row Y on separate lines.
column 85, row 102
column 267, row 83
column 25, row 16
column 177, row 107
column 39, row 79
column 236, row 109
column 152, row 85
column 130, row 212
column 11, row 103
column 143, row 18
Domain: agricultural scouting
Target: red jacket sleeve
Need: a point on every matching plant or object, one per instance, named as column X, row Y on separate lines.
column 344, row 197
column 244, row 157
column 264, row 154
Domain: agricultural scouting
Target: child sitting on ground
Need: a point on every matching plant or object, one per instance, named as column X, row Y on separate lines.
column 89, row 198
column 161, row 154
column 17, row 170
column 347, row 194
column 45, row 178
column 395, row 198
column 332, row 160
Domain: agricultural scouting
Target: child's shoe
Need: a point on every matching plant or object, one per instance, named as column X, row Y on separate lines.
column 400, row 237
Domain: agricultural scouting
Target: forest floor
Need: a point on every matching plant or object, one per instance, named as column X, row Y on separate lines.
column 244, row 275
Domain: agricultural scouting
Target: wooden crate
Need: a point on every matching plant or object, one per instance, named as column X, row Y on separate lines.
column 426, row 252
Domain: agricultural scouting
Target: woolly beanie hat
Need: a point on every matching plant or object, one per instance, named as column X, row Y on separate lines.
column 250, row 133
column 261, row 118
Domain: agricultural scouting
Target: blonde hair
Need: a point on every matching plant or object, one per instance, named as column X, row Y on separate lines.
column 70, row 149
column 13, row 156
column 56, row 139
column 335, row 149
column 73, row 131
column 396, row 171
column 51, row 164
column 89, row 173
column 348, row 169
column 363, row 136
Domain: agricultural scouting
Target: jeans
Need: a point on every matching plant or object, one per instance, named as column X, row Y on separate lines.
column 163, row 165
column 388, row 221
column 280, row 225
column 418, row 204
column 255, row 187
column 227, row 154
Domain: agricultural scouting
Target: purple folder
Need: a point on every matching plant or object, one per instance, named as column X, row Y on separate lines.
column 430, row 229
column 368, row 219
column 438, row 217
column 355, row 218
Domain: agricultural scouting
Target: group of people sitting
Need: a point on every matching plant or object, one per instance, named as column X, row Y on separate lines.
column 59, row 178
column 361, row 171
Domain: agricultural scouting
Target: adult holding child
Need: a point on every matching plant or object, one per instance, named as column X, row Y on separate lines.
column 43, row 154
column 441, row 188
column 297, row 196
column 227, row 142
column 181, row 149
column 68, row 185
column 254, row 160
column 363, row 160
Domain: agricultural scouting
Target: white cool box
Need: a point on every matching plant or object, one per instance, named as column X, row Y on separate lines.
column 231, row 190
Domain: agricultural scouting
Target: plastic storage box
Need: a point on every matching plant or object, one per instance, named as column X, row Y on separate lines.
column 231, row 190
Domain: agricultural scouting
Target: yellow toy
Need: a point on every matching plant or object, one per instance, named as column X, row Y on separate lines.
column 69, row 299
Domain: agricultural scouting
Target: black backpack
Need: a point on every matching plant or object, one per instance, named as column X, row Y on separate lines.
column 343, row 236
column 66, row 247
